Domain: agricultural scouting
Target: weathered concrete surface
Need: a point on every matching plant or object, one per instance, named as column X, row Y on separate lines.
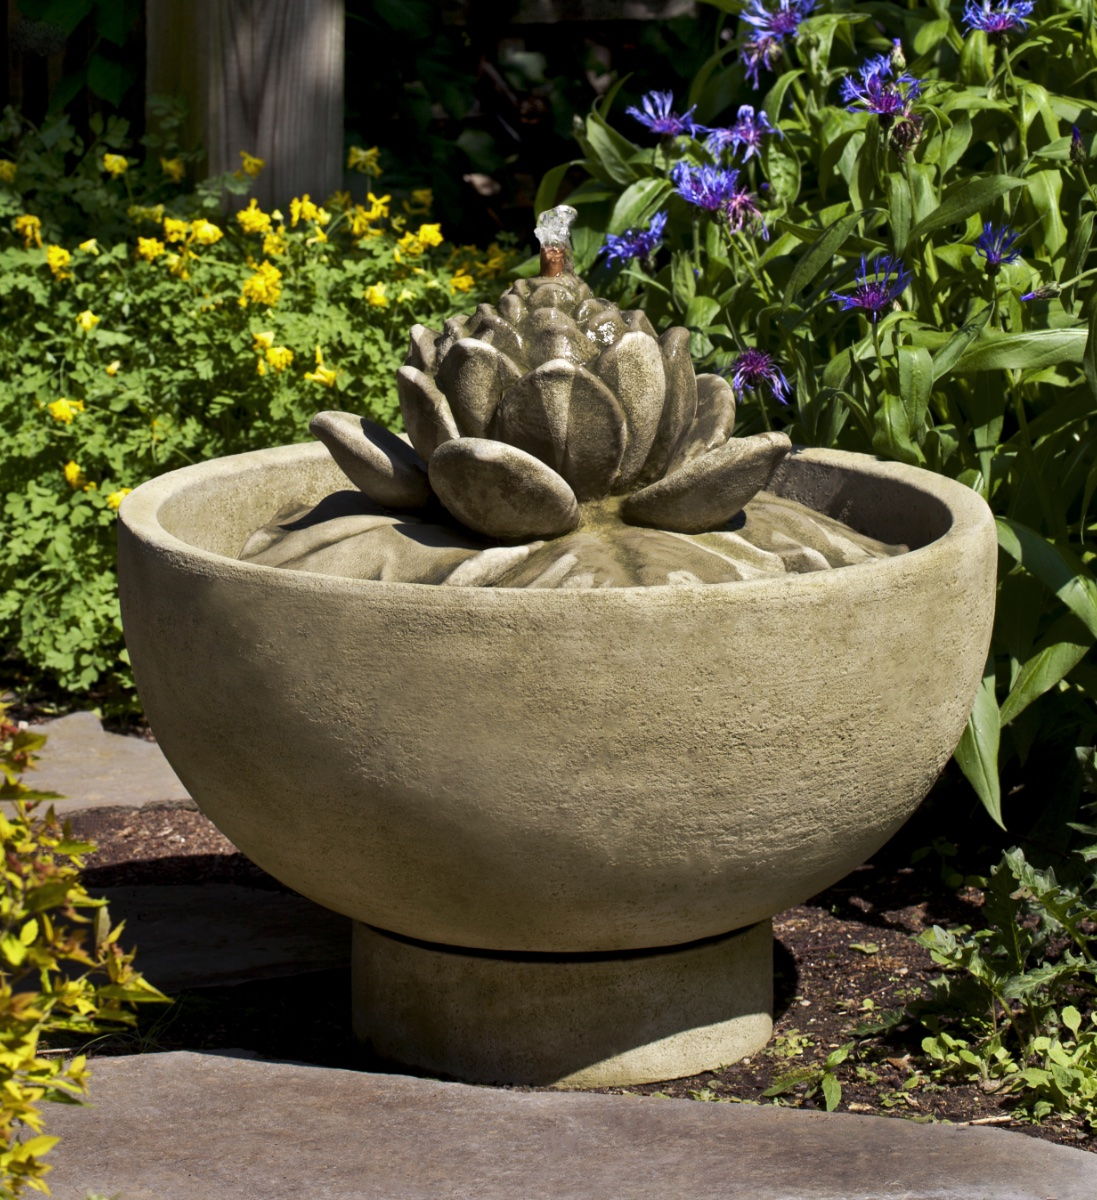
column 185, row 1126
column 91, row 768
column 212, row 934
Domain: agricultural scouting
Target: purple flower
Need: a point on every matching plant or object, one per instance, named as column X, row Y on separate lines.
column 876, row 289
column 659, row 118
column 1048, row 292
column 995, row 244
column 1078, row 154
column 710, row 188
column 874, row 90
column 757, row 53
column 777, row 22
column 753, row 368
column 999, row 18
column 634, row 243
column 742, row 212
column 744, row 136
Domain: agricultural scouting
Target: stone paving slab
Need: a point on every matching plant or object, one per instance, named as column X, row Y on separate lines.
column 186, row 1126
column 212, row 934
column 91, row 768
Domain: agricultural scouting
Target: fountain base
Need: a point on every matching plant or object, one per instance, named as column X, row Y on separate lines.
column 587, row 1020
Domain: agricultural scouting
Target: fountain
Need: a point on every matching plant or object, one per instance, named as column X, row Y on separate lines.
column 563, row 700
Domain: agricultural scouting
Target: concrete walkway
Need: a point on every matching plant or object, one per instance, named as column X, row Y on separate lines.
column 185, row 1126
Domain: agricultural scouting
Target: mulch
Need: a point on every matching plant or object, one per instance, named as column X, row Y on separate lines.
column 842, row 956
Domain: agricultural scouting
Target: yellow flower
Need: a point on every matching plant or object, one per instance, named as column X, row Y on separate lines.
column 280, row 357
column 430, row 235
column 205, row 232
column 58, row 260
column 7, row 170
column 264, row 340
column 74, row 476
column 30, row 227
column 115, row 499
column 495, row 262
column 405, row 295
column 87, row 320
column 112, row 368
column 142, row 212
column 173, row 168
column 366, row 161
column 303, row 209
column 177, row 264
column 461, row 282
column 252, row 219
column 115, row 165
column 376, row 295
column 64, row 410
column 322, row 375
column 339, row 199
column 176, row 230
column 91, row 246
column 250, row 164
column 150, row 248
column 264, row 287
column 275, row 243
column 378, row 206
column 421, row 201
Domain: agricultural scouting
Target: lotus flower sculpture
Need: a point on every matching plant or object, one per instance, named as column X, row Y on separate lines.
column 553, row 409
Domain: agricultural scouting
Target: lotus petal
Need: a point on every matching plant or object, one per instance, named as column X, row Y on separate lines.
column 637, row 321
column 708, row 491
column 501, row 491
column 373, row 459
column 452, row 331
column 511, row 307
column 551, row 333
column 552, row 295
column 488, row 326
column 633, row 370
column 472, row 377
column 568, row 419
column 714, row 421
column 603, row 325
column 423, row 350
column 679, row 405
column 426, row 411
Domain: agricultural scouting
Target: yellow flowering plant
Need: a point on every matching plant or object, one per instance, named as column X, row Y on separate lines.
column 191, row 333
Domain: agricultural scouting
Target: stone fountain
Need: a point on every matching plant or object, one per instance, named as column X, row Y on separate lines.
column 561, row 700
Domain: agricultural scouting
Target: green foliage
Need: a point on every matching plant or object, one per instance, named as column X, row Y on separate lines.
column 954, row 372
column 141, row 330
column 61, row 968
column 815, row 1078
column 1017, row 1010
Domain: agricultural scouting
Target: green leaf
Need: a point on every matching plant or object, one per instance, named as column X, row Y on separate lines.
column 776, row 95
column 1029, row 351
column 1045, row 190
column 549, row 187
column 915, row 384
column 977, row 753
column 821, row 253
column 700, row 312
column 683, row 283
column 832, row 1092
column 611, row 150
column 637, row 203
column 950, row 353
column 1064, row 647
column 961, row 199
column 1055, row 568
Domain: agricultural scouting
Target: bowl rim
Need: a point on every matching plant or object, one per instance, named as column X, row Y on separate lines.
column 139, row 514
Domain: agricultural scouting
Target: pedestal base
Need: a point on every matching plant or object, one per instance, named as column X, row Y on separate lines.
column 590, row 1020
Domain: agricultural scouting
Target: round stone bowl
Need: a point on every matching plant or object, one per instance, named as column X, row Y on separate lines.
column 556, row 771
column 559, row 819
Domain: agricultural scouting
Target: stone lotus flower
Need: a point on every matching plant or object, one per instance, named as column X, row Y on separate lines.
column 524, row 413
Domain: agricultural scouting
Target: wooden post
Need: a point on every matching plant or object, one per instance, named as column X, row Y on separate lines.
column 263, row 76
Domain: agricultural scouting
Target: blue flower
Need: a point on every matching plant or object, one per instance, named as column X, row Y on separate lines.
column 710, row 188
column 999, row 18
column 659, row 118
column 753, row 368
column 877, row 287
column 995, row 244
column 1048, row 292
column 778, row 22
column 757, row 53
column 744, row 136
column 634, row 243
column 874, row 90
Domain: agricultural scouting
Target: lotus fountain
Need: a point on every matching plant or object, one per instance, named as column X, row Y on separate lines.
column 564, row 696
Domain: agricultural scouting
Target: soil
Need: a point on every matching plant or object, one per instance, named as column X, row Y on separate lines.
column 843, row 956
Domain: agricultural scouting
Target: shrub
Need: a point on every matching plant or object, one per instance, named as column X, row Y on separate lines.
column 878, row 220
column 142, row 329
column 54, row 977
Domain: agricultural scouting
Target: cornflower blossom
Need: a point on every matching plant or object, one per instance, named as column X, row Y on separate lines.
column 742, row 212
column 1078, row 154
column 997, row 19
column 659, row 118
column 772, row 25
column 710, row 188
column 634, row 243
column 874, row 90
column 995, row 244
column 1048, row 292
column 753, row 368
column 877, row 287
column 744, row 137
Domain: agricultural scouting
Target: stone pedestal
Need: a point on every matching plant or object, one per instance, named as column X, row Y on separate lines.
column 588, row 1020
